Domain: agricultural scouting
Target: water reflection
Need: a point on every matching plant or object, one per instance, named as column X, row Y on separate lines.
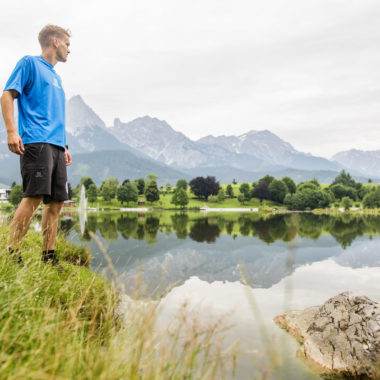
column 291, row 262
column 344, row 228
column 172, row 247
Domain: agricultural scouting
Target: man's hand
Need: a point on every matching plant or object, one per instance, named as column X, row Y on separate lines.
column 15, row 144
column 67, row 158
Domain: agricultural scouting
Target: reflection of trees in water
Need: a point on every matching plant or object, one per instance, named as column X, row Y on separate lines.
column 91, row 226
column 268, row 229
column 311, row 226
column 127, row 225
column 345, row 227
column 292, row 222
column 271, row 229
column 203, row 231
column 151, row 227
column 244, row 225
column 229, row 226
column 65, row 225
column 372, row 224
column 179, row 222
column 140, row 232
column 107, row 228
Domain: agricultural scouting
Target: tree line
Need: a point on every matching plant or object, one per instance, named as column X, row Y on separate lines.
column 343, row 191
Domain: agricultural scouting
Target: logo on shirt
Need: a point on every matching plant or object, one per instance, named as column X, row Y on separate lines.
column 55, row 83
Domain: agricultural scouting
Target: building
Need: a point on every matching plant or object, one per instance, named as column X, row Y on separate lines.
column 69, row 203
column 4, row 195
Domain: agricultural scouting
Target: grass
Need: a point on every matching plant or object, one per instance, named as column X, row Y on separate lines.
column 194, row 203
column 66, row 325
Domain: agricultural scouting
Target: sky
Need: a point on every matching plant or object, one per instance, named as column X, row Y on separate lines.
column 307, row 70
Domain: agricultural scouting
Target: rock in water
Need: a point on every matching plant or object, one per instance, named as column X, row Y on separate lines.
column 341, row 338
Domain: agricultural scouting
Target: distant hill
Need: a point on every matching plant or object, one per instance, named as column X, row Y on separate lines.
column 121, row 164
column 271, row 149
column 157, row 139
column 151, row 145
column 366, row 162
column 253, row 151
column 226, row 174
column 87, row 132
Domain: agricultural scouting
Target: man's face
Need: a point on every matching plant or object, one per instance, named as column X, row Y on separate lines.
column 63, row 48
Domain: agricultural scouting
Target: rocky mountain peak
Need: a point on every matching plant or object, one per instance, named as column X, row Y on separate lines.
column 116, row 122
column 79, row 116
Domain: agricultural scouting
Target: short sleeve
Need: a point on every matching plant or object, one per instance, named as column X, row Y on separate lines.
column 20, row 76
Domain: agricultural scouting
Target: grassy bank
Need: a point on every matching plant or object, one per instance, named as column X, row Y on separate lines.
column 65, row 325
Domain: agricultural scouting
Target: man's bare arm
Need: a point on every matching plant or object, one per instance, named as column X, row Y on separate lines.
column 15, row 144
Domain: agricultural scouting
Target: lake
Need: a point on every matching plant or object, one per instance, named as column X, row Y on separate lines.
column 244, row 268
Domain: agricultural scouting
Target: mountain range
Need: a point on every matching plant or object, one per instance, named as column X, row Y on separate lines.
column 149, row 145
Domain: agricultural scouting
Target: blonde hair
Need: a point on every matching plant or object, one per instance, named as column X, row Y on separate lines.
column 50, row 31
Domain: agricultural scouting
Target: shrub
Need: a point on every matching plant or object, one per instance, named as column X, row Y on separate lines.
column 372, row 199
column 212, row 199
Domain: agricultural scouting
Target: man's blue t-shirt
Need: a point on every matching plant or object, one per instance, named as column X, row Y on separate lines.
column 41, row 101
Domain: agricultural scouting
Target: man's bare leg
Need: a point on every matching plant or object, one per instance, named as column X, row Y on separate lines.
column 21, row 221
column 50, row 224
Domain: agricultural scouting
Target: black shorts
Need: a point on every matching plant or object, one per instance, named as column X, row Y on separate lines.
column 43, row 171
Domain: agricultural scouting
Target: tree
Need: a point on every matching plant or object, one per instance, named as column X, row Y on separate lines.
column 106, row 191
column 221, row 195
column 245, row 189
column 151, row 192
column 369, row 180
column 234, row 181
column 230, row 191
column 151, row 177
column 180, row 198
column 140, row 183
column 13, row 184
column 16, row 195
column 268, row 179
column 86, row 182
column 168, row 187
column 241, row 198
column 346, row 202
column 341, row 191
column 125, row 181
column 310, row 185
column 278, row 190
column 127, row 193
column 344, row 179
column 181, row 184
column 108, row 188
column 307, row 199
column 261, row 191
column 203, row 187
column 291, row 185
column 92, row 193
column 372, row 199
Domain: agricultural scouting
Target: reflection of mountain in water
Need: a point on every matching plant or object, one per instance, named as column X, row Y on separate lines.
column 171, row 248
column 264, row 265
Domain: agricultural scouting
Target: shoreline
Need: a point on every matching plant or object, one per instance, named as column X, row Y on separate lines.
column 67, row 323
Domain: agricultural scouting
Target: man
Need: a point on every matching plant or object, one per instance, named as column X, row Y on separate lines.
column 41, row 138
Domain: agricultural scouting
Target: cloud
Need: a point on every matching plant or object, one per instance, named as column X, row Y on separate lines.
column 307, row 71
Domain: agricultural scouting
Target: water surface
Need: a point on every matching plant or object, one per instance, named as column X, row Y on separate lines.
column 289, row 262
